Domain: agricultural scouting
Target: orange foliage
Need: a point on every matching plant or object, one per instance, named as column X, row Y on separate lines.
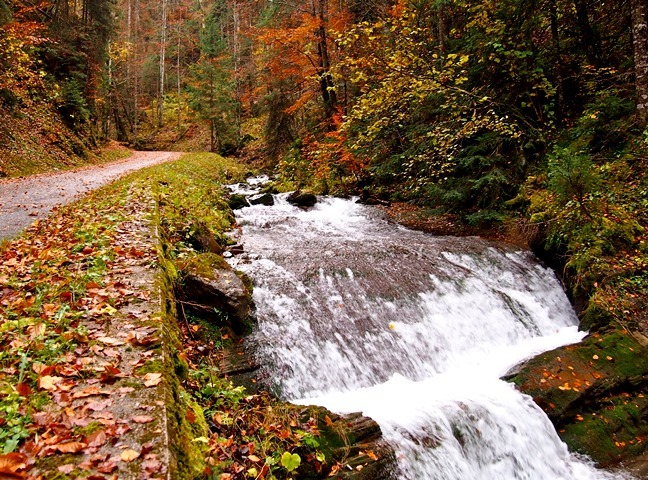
column 332, row 156
column 291, row 48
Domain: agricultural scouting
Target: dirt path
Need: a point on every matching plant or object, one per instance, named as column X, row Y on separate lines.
column 27, row 199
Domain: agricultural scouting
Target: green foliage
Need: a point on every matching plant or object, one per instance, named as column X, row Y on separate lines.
column 290, row 461
column 212, row 90
column 572, row 177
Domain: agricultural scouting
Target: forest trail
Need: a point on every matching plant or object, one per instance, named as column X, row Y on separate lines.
column 24, row 200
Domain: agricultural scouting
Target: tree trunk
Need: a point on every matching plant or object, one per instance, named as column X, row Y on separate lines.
column 163, row 35
column 557, row 54
column 591, row 41
column 640, row 43
column 443, row 25
column 179, row 81
column 326, row 82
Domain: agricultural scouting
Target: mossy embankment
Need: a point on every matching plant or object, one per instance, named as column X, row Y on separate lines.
column 251, row 434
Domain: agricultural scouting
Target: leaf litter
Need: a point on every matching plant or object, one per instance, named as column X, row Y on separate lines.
column 77, row 305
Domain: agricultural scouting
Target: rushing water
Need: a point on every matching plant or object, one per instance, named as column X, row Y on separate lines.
column 358, row 314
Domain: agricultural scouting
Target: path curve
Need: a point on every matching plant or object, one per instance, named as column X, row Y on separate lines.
column 24, row 200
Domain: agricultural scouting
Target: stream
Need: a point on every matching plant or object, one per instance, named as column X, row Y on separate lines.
column 414, row 330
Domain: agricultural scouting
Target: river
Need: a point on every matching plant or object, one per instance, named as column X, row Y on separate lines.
column 414, row 330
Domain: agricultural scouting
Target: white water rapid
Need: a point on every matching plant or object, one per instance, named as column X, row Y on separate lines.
column 358, row 314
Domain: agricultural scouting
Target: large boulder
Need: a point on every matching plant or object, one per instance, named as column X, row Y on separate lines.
column 302, row 199
column 210, row 288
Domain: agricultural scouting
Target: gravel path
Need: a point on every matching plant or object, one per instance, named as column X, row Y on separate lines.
column 27, row 199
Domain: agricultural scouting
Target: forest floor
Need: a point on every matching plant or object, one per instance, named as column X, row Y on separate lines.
column 23, row 200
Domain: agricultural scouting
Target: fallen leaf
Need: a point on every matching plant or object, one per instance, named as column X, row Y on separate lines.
column 23, row 389
column 100, row 405
column 48, row 382
column 10, row 463
column 142, row 419
column 68, row 468
column 70, row 447
column 111, row 341
column 152, row 379
column 191, row 416
column 152, row 465
column 87, row 392
column 96, row 439
column 129, row 455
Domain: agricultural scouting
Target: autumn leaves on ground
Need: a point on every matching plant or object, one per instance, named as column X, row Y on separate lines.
column 94, row 382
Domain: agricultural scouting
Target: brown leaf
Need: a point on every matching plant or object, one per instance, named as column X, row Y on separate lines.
column 96, row 439
column 111, row 341
column 142, row 340
column 87, row 392
column 142, row 419
column 47, row 382
column 10, row 463
column 152, row 379
column 70, row 447
column 107, row 467
column 152, row 465
column 68, row 468
column 191, row 416
column 98, row 406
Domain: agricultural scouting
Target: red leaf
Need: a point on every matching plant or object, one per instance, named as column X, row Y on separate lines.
column 191, row 416
column 23, row 389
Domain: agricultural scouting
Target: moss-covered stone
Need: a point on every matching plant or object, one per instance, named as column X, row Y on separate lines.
column 594, row 393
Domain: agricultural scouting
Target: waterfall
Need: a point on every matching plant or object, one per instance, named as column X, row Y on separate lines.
column 358, row 314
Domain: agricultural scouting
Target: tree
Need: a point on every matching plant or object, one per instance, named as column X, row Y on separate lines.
column 212, row 86
column 640, row 43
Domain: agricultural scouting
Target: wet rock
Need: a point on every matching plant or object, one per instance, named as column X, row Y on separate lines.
column 302, row 199
column 237, row 201
column 236, row 249
column 262, row 199
column 367, row 199
column 367, row 456
column 209, row 285
column 238, row 363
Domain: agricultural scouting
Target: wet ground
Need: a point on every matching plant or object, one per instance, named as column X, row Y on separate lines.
column 24, row 200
